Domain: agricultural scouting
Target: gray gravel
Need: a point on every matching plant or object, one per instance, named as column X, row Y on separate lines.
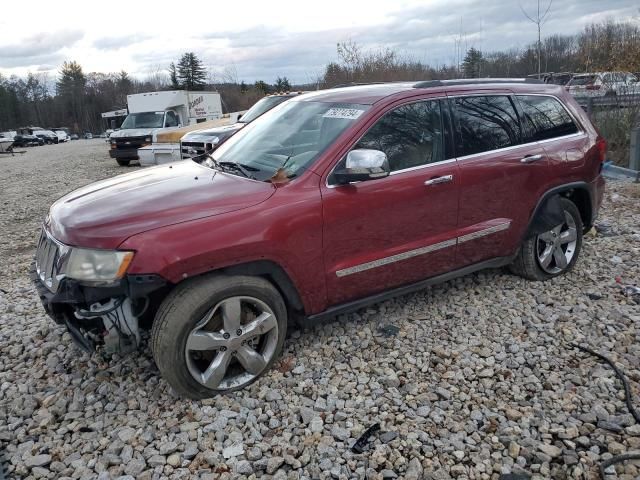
column 477, row 381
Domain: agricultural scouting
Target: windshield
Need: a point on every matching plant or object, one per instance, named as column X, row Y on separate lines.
column 143, row 120
column 261, row 106
column 290, row 136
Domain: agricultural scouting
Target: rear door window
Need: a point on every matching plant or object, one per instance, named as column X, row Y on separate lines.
column 545, row 118
column 486, row 123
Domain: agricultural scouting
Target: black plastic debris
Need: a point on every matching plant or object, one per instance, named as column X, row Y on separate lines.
column 363, row 442
column 389, row 330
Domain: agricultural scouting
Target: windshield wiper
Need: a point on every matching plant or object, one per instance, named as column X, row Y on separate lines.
column 240, row 168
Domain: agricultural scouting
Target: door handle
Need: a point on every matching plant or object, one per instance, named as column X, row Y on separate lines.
column 437, row 180
column 531, row 158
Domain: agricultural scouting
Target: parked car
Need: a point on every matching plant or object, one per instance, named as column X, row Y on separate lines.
column 603, row 84
column 62, row 136
column 88, row 136
column 73, row 136
column 27, row 141
column 198, row 142
column 47, row 136
column 556, row 78
column 332, row 201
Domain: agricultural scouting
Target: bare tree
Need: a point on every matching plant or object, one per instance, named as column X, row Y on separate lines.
column 539, row 20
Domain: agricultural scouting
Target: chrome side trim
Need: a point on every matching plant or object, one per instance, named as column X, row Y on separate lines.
column 422, row 250
column 395, row 258
column 484, row 232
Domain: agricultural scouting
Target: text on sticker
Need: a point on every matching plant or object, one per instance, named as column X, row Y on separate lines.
column 348, row 113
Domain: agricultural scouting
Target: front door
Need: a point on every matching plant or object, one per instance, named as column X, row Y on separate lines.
column 384, row 233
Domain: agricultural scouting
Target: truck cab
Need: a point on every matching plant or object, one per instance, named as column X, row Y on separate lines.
column 155, row 112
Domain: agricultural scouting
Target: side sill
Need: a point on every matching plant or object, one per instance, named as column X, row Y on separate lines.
column 379, row 297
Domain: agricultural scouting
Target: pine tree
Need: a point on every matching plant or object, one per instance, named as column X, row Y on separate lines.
column 261, row 86
column 282, row 84
column 472, row 63
column 71, row 90
column 173, row 76
column 191, row 74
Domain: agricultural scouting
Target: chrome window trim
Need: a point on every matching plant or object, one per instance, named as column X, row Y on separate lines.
column 362, row 267
column 514, row 147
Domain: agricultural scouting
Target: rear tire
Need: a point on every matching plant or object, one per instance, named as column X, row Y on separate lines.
column 123, row 163
column 551, row 253
column 217, row 334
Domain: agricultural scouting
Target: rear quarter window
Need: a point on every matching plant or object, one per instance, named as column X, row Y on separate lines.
column 545, row 118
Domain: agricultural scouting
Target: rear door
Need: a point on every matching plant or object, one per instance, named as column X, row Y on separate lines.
column 393, row 231
column 500, row 176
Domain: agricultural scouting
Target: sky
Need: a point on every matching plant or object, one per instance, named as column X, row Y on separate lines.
column 264, row 40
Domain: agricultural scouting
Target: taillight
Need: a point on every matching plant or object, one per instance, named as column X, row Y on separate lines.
column 593, row 87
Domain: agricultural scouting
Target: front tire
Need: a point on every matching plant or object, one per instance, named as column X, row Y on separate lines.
column 123, row 163
column 551, row 253
column 217, row 334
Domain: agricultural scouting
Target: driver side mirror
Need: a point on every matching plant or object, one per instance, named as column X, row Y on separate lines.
column 361, row 165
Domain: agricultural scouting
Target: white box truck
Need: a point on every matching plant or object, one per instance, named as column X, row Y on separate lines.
column 155, row 112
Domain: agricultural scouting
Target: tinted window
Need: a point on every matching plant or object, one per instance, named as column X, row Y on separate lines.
column 545, row 117
column 410, row 135
column 486, row 123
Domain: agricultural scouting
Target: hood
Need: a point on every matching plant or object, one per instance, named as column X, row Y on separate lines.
column 104, row 214
column 133, row 132
column 175, row 135
column 206, row 134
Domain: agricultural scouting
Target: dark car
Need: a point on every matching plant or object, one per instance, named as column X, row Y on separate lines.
column 47, row 137
column 334, row 200
column 27, row 141
column 198, row 142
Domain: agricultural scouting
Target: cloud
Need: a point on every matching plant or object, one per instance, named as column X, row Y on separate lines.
column 299, row 44
column 116, row 43
column 39, row 46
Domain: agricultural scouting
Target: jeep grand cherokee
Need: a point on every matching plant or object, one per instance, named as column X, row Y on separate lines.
column 330, row 201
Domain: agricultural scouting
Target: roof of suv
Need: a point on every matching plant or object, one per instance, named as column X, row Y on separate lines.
column 368, row 94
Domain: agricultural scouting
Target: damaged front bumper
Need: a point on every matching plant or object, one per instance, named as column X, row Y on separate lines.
column 99, row 315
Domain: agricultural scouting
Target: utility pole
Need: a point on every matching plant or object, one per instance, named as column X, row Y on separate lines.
column 539, row 20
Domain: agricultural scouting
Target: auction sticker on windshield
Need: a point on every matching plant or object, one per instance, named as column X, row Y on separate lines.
column 347, row 113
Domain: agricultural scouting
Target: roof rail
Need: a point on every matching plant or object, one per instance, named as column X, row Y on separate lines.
column 474, row 81
column 355, row 84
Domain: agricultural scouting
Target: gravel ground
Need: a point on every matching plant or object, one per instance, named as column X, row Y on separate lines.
column 471, row 379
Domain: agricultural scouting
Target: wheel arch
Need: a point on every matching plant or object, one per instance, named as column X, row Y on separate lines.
column 272, row 272
column 547, row 207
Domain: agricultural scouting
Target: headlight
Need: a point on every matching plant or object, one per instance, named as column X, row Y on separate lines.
column 97, row 265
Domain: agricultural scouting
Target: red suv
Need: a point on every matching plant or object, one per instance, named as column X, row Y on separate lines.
column 330, row 201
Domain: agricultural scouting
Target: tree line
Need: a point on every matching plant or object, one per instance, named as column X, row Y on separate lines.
column 75, row 99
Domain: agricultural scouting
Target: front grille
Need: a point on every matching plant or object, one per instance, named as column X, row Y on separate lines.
column 49, row 257
column 190, row 149
column 128, row 143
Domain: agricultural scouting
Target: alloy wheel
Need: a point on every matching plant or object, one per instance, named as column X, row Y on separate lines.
column 555, row 249
column 233, row 343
